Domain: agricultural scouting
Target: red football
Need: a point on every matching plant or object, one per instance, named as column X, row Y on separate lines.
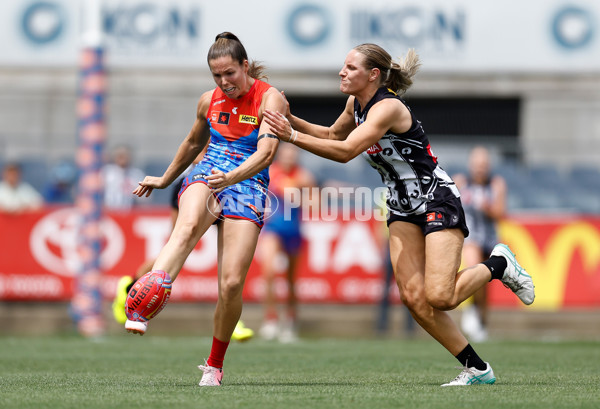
column 148, row 296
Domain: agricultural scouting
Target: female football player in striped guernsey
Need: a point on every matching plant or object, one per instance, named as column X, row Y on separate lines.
column 227, row 187
column 426, row 220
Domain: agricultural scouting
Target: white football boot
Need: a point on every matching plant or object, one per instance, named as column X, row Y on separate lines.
column 473, row 376
column 136, row 327
column 515, row 277
column 211, row 376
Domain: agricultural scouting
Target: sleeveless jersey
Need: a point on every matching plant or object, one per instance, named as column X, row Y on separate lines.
column 234, row 126
column 414, row 179
column 481, row 226
column 281, row 179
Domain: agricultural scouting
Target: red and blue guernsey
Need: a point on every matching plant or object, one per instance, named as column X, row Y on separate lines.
column 234, row 126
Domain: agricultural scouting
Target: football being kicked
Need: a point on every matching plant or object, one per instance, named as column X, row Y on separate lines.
column 147, row 297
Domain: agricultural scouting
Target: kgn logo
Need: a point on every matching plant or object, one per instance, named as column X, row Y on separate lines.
column 573, row 27
column 308, row 25
column 43, row 22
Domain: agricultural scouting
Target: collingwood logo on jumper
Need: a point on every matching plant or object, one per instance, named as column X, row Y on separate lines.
column 248, row 119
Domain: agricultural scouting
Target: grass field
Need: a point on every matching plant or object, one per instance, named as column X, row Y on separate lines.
column 160, row 372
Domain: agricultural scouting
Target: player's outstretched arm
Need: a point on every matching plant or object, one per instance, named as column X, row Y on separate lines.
column 382, row 117
column 338, row 131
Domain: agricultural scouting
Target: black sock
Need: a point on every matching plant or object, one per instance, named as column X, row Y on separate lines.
column 468, row 357
column 497, row 265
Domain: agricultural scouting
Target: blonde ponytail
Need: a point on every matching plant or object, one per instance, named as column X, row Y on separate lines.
column 396, row 76
column 402, row 72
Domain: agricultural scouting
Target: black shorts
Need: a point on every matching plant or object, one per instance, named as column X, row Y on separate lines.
column 447, row 215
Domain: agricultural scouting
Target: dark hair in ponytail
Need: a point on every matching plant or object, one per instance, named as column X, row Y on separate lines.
column 227, row 44
column 396, row 76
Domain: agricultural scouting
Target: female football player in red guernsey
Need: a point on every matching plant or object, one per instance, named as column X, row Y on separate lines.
column 426, row 220
column 228, row 187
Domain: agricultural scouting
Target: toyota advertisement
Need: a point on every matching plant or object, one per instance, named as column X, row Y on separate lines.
column 342, row 261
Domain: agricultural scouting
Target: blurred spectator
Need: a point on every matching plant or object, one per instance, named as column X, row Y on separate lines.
column 484, row 200
column 120, row 180
column 280, row 243
column 61, row 188
column 16, row 195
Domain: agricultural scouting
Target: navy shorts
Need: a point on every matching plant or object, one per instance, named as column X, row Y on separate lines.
column 176, row 187
column 446, row 215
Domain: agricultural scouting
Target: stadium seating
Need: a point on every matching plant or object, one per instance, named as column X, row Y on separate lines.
column 586, row 177
column 582, row 200
column 530, row 188
column 545, row 175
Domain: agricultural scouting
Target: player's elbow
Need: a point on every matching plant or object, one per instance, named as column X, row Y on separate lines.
column 343, row 159
column 345, row 155
column 269, row 156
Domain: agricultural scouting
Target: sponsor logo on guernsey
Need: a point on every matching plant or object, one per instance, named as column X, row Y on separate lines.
column 223, row 118
column 374, row 149
column 248, row 119
column 218, row 102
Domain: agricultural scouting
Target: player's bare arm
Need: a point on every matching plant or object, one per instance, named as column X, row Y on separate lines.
column 266, row 148
column 188, row 151
column 339, row 131
column 383, row 116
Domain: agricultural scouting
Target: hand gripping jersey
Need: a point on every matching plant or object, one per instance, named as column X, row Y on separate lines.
column 406, row 164
column 234, row 126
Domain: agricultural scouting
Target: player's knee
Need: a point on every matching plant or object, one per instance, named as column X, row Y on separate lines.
column 414, row 300
column 440, row 301
column 231, row 289
column 410, row 300
column 185, row 233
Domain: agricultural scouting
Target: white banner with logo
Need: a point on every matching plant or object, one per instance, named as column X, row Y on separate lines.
column 450, row 36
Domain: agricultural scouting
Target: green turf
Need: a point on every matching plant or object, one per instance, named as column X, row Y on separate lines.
column 159, row 372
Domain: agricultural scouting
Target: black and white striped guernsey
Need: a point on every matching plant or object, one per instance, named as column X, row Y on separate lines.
column 414, row 179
